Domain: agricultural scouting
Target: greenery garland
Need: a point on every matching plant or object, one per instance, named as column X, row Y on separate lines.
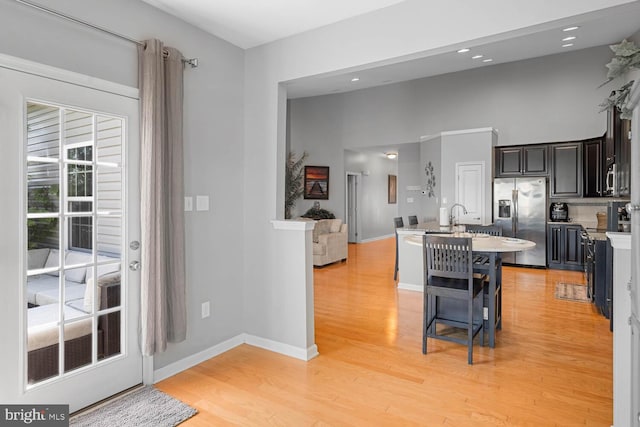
column 627, row 56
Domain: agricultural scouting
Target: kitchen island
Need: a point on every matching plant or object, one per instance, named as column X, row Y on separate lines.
column 411, row 265
column 410, row 256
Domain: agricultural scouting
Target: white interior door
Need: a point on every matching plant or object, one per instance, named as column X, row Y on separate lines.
column 470, row 192
column 69, row 165
column 352, row 206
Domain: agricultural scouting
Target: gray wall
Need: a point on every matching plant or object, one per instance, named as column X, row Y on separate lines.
column 547, row 99
column 409, row 201
column 213, row 131
column 431, row 151
column 376, row 214
column 320, row 139
column 466, row 147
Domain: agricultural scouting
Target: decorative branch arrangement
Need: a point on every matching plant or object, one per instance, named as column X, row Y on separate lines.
column 431, row 179
column 293, row 185
column 627, row 56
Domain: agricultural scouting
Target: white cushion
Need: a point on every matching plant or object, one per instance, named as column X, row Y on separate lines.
column 72, row 291
column 107, row 279
column 52, row 261
column 40, row 283
column 74, row 258
column 37, row 258
column 106, row 268
column 43, row 326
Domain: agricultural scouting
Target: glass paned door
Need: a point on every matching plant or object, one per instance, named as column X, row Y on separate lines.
column 74, row 305
column 69, row 180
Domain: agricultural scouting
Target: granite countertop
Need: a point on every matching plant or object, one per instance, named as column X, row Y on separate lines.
column 430, row 226
column 594, row 233
column 597, row 234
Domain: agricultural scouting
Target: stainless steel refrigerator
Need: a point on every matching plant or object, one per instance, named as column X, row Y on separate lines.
column 520, row 208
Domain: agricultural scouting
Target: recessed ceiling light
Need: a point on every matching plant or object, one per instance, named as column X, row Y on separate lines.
column 465, row 50
column 570, row 28
column 391, row 155
column 355, row 79
column 566, row 39
column 477, row 56
column 567, row 45
column 487, row 60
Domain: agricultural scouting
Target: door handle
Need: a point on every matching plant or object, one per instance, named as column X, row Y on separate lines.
column 632, row 208
column 515, row 211
column 134, row 265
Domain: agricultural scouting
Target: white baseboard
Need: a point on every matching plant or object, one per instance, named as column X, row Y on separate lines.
column 373, row 239
column 286, row 349
column 410, row 287
column 191, row 361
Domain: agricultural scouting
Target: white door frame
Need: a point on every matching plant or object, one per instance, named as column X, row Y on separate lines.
column 14, row 389
column 357, row 228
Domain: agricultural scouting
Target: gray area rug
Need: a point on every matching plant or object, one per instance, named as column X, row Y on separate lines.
column 143, row 407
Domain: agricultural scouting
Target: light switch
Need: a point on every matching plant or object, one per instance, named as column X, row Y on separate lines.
column 188, row 204
column 202, row 203
column 444, row 200
column 206, row 309
column 409, row 199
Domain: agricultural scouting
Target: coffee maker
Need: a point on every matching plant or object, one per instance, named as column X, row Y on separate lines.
column 559, row 212
column 617, row 217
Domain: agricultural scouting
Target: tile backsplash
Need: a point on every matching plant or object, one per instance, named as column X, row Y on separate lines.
column 586, row 214
column 583, row 211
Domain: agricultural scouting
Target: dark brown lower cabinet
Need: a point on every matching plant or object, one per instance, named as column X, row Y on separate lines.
column 564, row 247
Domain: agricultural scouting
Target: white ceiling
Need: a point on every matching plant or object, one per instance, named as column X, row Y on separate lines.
column 248, row 23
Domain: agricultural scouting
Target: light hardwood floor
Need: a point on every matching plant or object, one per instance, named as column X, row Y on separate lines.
column 552, row 365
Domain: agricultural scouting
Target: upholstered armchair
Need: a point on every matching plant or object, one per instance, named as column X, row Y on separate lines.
column 330, row 242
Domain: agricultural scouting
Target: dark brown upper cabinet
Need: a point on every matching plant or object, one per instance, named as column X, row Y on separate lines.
column 623, row 159
column 521, row 160
column 566, row 170
column 593, row 168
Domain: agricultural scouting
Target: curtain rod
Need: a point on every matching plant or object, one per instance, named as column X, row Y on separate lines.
column 193, row 62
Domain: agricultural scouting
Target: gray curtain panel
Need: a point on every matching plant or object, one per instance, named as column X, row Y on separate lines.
column 163, row 307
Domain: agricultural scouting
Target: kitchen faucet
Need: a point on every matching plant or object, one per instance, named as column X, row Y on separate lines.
column 464, row 210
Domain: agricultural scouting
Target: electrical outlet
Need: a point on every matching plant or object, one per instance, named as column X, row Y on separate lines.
column 485, row 313
column 205, row 309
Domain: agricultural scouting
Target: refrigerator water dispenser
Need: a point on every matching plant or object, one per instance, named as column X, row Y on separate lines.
column 504, row 208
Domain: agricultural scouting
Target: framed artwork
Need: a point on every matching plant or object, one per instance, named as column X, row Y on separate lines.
column 316, row 182
column 393, row 193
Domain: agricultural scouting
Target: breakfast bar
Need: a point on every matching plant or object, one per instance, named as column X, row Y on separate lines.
column 486, row 247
